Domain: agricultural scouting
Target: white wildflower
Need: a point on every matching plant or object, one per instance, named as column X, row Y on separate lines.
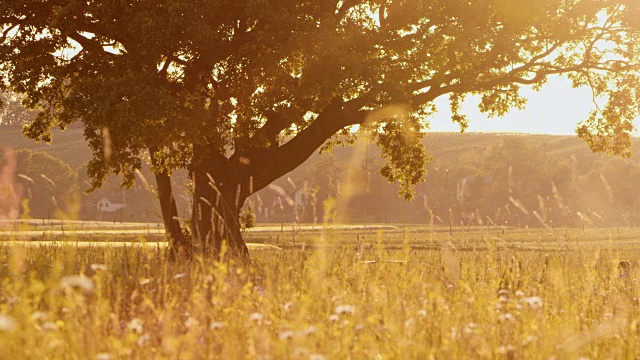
column 12, row 300
column 470, row 328
column 256, row 318
column 505, row 349
column 136, row 326
column 519, row 293
column 288, row 306
column 286, row 335
column 504, row 292
column 334, row 318
column 345, row 309
column 103, row 356
column 310, row 330
column 179, row 276
column 80, row 282
column 49, row 326
column 534, row 302
column 144, row 281
column 39, row 316
column 7, row 323
column 191, row 322
column 529, row 339
column 360, row 327
column 506, row 317
column 143, row 340
column 300, row 352
column 422, row 313
column 216, row 325
column 99, row 267
column 409, row 322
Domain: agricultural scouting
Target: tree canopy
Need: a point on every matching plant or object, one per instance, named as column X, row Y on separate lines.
column 241, row 93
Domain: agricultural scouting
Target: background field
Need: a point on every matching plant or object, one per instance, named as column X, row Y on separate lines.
column 358, row 292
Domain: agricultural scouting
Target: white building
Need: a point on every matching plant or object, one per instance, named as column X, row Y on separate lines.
column 105, row 204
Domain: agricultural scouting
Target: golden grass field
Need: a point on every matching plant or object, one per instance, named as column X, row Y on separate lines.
column 402, row 292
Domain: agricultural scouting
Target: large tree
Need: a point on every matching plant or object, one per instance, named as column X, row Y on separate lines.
column 242, row 92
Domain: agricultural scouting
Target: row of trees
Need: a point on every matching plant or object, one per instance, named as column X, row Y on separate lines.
column 37, row 185
column 508, row 181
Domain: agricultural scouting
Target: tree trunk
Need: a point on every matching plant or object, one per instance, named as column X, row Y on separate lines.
column 179, row 245
column 217, row 202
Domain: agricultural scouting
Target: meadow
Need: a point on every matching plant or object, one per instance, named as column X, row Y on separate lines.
column 355, row 292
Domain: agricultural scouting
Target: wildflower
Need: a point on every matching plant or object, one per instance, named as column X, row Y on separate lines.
column 144, row 281
column 12, row 300
column 504, row 292
column 80, row 282
column 143, row 340
column 191, row 322
column 7, row 323
column 39, row 316
column 103, row 356
column 470, row 328
column 505, row 349
column 345, row 309
column 506, row 317
column 534, row 302
column 256, row 318
column 519, row 293
column 334, row 318
column 310, row 330
column 422, row 313
column 360, row 327
column 286, row 335
column 300, row 352
column 529, row 339
column 216, row 325
column 49, row 326
column 135, row 325
column 99, row 267
column 179, row 276
column 409, row 323
column 288, row 306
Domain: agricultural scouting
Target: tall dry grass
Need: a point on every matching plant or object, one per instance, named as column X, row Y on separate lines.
column 63, row 302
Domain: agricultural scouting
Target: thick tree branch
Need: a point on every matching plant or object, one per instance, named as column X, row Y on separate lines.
column 87, row 43
column 6, row 32
column 346, row 6
column 287, row 157
column 276, row 122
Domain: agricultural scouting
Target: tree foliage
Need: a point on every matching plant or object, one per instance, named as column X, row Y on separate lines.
column 49, row 185
column 246, row 91
column 12, row 112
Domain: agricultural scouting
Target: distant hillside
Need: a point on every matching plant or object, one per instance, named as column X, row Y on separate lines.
column 486, row 176
column 68, row 145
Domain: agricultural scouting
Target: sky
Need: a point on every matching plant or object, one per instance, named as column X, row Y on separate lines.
column 556, row 109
